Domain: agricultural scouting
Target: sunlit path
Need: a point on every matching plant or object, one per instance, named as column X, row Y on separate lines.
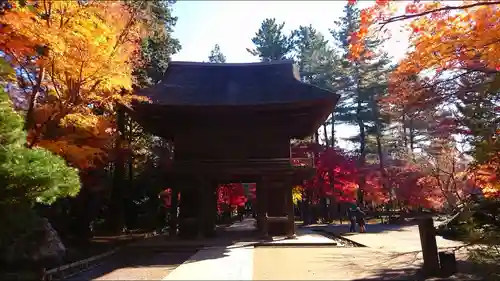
column 232, row 262
column 224, row 263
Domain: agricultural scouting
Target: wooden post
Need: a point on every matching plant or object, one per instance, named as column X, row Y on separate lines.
column 174, row 203
column 262, row 209
column 211, row 209
column 429, row 246
column 290, row 211
column 202, row 208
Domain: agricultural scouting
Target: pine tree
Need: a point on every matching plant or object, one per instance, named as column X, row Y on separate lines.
column 216, row 55
column 317, row 63
column 271, row 43
column 366, row 82
column 160, row 45
column 27, row 177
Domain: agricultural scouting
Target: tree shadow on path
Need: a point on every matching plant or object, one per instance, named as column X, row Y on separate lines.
column 411, row 271
column 155, row 257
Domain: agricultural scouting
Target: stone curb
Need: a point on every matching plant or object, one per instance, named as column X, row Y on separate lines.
column 68, row 270
column 337, row 236
column 297, row 245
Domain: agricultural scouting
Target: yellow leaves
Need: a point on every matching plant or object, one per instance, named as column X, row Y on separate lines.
column 87, row 43
column 88, row 58
column 85, row 122
column 297, row 193
column 80, row 156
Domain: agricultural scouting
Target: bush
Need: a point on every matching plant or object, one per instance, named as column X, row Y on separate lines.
column 27, row 176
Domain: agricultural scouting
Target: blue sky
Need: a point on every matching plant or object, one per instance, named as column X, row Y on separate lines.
column 232, row 24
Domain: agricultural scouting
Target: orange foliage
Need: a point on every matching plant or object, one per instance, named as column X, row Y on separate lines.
column 81, row 61
column 487, row 177
column 443, row 35
column 446, row 39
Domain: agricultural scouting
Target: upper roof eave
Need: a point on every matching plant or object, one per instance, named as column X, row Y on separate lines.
column 208, row 84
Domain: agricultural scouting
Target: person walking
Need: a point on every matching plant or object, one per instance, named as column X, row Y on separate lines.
column 351, row 214
column 360, row 217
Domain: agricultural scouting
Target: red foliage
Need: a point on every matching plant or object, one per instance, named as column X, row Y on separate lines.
column 230, row 196
column 335, row 176
column 166, row 195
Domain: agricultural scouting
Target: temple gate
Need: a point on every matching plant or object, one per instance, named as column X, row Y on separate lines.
column 233, row 123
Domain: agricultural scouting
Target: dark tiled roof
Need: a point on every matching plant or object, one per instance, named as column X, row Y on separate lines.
column 195, row 83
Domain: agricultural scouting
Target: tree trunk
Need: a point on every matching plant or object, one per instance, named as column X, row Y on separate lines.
column 412, row 139
column 30, row 120
column 333, row 129
column 405, row 138
column 362, row 142
column 115, row 216
column 380, row 152
column 324, row 210
column 325, row 135
column 130, row 212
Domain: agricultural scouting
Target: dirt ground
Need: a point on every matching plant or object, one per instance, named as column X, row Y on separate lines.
column 341, row 264
column 136, row 266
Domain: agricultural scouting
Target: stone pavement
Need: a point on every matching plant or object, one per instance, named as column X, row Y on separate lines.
column 217, row 263
column 329, row 264
column 391, row 253
column 392, row 238
column 235, row 262
column 304, row 237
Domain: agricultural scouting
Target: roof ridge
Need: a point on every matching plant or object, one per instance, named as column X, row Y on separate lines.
column 195, row 63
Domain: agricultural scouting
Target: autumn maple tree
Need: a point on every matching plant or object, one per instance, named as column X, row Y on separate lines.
column 453, row 63
column 230, row 196
column 74, row 63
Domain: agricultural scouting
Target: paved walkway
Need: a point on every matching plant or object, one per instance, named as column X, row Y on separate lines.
column 217, row 264
column 392, row 253
column 390, row 238
column 235, row 262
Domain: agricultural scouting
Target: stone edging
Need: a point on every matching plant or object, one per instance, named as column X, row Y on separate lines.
column 340, row 237
column 68, row 270
column 296, row 244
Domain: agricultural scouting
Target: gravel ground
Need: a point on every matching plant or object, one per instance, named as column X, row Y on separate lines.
column 135, row 266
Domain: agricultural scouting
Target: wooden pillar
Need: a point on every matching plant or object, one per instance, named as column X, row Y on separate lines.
column 188, row 214
column 211, row 209
column 429, row 246
column 201, row 193
column 174, row 203
column 262, row 209
column 290, row 211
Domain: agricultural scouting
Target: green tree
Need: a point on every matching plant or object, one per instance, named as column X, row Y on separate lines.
column 318, row 63
column 216, row 55
column 27, row 177
column 271, row 43
column 156, row 49
column 366, row 82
